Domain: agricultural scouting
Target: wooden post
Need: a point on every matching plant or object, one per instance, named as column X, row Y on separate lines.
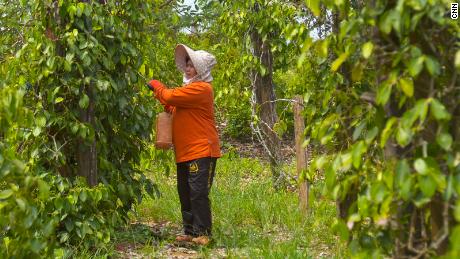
column 301, row 153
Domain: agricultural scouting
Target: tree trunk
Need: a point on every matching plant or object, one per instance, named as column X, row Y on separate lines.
column 264, row 95
column 87, row 152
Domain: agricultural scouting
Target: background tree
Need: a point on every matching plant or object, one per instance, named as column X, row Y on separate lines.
column 260, row 25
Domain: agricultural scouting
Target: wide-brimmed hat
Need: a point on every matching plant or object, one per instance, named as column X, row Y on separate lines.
column 202, row 61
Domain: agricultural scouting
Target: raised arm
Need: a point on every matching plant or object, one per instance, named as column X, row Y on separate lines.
column 190, row 96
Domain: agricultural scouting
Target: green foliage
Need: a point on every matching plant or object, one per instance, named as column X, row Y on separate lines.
column 74, row 53
column 401, row 151
column 379, row 82
column 238, row 124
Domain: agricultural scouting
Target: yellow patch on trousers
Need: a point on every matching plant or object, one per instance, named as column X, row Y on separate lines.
column 193, row 168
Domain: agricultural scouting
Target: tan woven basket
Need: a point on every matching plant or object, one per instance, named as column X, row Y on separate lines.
column 164, row 131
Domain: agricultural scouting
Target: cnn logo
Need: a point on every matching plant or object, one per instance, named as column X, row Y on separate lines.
column 454, row 11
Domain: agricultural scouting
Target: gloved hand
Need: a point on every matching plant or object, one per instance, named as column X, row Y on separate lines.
column 168, row 108
column 153, row 84
column 150, row 87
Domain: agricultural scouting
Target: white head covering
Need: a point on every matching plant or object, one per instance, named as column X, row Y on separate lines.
column 202, row 61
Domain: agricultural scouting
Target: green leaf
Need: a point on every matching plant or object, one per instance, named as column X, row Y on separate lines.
column 69, row 57
column 313, row 5
column 72, row 9
column 142, row 70
column 84, row 101
column 321, row 161
column 457, row 59
column 83, row 195
column 323, row 48
column 457, row 211
column 403, row 136
column 421, row 108
column 371, row 134
column 416, row 65
column 67, row 66
column 58, row 100
column 64, row 237
column 5, row 194
column 355, row 217
column 345, row 161
column 36, row 246
column 417, row 4
column 389, row 20
column 74, row 128
column 40, row 121
column 263, row 70
column 444, row 140
column 449, row 188
column 402, row 172
column 427, row 185
column 357, row 72
column 408, row 118
column 421, row 200
column 336, row 64
column 21, row 204
column 420, row 166
column 58, row 203
column 378, row 192
column 44, row 189
column 433, row 66
column 50, row 62
column 440, row 180
column 330, row 177
column 358, row 150
column 455, row 236
column 80, row 9
column 367, row 49
column 358, row 130
column 341, row 230
column 383, row 93
column 36, row 131
column 86, row 59
column 407, row 86
column 339, row 2
column 387, row 131
column 438, row 110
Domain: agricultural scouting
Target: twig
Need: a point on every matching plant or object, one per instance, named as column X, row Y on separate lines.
column 254, row 126
column 283, row 100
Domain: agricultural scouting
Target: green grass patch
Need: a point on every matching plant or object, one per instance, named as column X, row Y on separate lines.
column 250, row 218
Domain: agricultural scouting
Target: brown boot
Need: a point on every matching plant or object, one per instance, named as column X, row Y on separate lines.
column 184, row 238
column 201, row 240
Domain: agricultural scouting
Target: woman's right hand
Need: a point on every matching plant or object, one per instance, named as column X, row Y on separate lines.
column 150, row 87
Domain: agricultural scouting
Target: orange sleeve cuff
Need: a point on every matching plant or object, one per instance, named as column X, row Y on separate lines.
column 156, row 84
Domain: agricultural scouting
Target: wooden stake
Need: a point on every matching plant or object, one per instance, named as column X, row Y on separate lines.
column 301, row 153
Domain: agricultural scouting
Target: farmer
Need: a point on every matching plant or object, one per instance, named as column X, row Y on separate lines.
column 195, row 139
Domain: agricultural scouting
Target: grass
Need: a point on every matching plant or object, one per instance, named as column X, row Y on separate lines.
column 250, row 218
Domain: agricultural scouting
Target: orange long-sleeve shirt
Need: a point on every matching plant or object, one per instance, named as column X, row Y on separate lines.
column 194, row 131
